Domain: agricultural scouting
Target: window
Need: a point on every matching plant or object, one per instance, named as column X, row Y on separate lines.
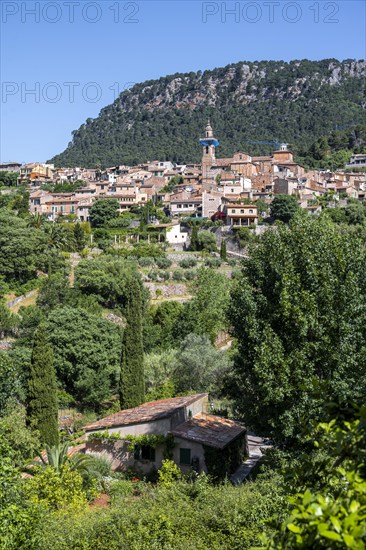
column 147, row 453
column 233, row 210
column 185, row 456
column 250, row 211
column 241, row 211
column 144, row 452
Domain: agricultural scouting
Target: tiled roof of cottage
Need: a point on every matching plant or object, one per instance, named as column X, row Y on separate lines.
column 210, row 430
column 147, row 412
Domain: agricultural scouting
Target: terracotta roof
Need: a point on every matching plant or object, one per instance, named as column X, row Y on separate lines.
column 223, row 162
column 210, row 430
column 147, row 412
column 263, row 158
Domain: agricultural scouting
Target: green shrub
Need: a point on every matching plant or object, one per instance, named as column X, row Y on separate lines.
column 233, row 262
column 101, row 466
column 190, row 275
column 180, row 515
column 236, row 273
column 213, row 262
column 164, row 275
column 119, row 490
column 186, row 263
column 163, row 263
column 146, row 261
column 153, row 276
column 178, row 276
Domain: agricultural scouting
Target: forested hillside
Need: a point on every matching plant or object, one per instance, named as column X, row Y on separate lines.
column 296, row 102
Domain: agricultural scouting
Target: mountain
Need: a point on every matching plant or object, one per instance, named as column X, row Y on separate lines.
column 295, row 102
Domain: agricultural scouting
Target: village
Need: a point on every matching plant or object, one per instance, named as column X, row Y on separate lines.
column 218, row 189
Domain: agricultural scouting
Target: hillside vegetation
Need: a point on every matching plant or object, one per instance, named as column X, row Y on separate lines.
column 296, row 102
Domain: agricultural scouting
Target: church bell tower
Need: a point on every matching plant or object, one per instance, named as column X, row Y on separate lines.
column 209, row 144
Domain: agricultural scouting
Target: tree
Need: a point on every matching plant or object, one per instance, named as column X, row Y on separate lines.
column 158, row 371
column 355, row 214
column 206, row 312
column 223, row 252
column 18, row 518
column 21, row 203
column 131, row 386
column 23, row 441
column 102, row 211
column 194, row 239
column 53, row 292
column 198, row 366
column 284, row 207
column 299, row 316
column 206, row 241
column 36, row 220
column 328, row 511
column 16, row 236
column 166, row 317
column 8, row 321
column 42, row 392
column 106, row 278
column 79, row 236
column 57, row 237
column 87, row 353
column 10, row 382
column 8, row 179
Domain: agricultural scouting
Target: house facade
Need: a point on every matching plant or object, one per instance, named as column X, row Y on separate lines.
column 183, row 429
column 241, row 214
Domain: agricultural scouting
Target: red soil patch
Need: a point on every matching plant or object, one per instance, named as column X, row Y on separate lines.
column 102, row 501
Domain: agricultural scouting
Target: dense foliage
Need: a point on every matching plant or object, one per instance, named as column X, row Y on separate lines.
column 298, row 313
column 102, row 211
column 87, row 350
column 284, row 207
column 174, row 515
column 296, row 102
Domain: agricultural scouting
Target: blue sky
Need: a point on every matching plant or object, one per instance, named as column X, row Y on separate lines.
column 76, row 55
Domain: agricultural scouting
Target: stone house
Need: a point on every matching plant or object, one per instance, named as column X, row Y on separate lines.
column 241, row 214
column 185, row 203
column 188, row 435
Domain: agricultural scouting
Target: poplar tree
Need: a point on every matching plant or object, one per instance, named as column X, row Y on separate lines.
column 223, row 251
column 131, row 386
column 42, row 395
column 194, row 239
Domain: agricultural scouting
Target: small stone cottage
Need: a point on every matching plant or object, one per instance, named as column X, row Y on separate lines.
column 178, row 428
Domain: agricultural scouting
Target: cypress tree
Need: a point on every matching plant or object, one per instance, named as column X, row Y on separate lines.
column 131, row 387
column 223, row 252
column 194, row 239
column 42, row 395
column 79, row 236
